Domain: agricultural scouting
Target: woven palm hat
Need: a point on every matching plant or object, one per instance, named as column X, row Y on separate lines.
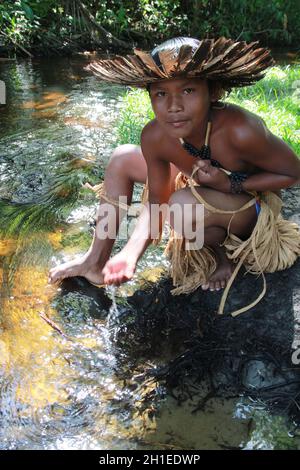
column 234, row 63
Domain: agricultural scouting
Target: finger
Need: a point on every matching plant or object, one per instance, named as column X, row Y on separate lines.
column 105, row 270
column 112, row 281
column 205, row 168
column 201, row 163
column 203, row 171
column 202, row 176
column 198, row 168
column 108, row 277
column 128, row 274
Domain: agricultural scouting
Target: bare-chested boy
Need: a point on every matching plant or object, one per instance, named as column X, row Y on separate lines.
column 239, row 142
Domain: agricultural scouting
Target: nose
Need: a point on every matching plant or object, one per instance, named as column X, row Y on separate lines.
column 174, row 104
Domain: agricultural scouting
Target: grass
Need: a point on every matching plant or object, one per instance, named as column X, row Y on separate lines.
column 276, row 99
column 135, row 112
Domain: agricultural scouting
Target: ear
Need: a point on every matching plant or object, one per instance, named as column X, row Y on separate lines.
column 216, row 91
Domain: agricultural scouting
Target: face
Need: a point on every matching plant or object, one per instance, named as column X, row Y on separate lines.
column 180, row 105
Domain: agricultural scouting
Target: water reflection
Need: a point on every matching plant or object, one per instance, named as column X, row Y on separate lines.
column 67, row 379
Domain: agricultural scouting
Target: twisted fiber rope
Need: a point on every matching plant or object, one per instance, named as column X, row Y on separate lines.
column 274, row 245
column 100, row 191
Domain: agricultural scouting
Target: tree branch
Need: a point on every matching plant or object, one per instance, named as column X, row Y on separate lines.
column 16, row 44
column 107, row 36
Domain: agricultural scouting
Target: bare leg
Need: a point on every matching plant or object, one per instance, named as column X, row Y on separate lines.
column 215, row 226
column 126, row 166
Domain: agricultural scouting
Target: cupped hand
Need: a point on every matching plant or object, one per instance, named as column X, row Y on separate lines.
column 120, row 268
column 211, row 176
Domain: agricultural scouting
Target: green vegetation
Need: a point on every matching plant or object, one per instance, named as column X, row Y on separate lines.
column 135, row 113
column 66, row 26
column 271, row 433
column 276, row 99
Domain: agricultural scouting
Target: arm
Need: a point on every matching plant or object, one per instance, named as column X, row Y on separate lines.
column 278, row 164
column 121, row 267
column 159, row 184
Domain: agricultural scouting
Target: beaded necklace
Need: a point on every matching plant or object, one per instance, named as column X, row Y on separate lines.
column 204, row 153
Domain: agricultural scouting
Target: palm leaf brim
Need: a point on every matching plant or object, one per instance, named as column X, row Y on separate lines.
column 235, row 63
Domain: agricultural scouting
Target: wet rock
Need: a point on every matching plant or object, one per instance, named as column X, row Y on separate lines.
column 250, row 354
column 258, row 374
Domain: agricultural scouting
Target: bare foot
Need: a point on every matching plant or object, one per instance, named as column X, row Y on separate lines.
column 222, row 274
column 77, row 267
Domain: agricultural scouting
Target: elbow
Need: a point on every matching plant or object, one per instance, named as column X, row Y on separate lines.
column 294, row 180
column 297, row 176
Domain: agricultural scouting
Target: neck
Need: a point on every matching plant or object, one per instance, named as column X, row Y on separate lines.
column 197, row 139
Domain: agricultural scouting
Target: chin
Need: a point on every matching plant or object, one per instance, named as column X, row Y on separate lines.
column 179, row 132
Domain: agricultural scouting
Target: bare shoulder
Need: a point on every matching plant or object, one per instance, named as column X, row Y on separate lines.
column 151, row 139
column 250, row 138
column 150, row 128
column 243, row 126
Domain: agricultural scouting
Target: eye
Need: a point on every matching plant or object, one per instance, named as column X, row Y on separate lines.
column 160, row 93
column 188, row 91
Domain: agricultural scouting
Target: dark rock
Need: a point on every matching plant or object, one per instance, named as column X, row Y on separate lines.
column 250, row 354
column 258, row 375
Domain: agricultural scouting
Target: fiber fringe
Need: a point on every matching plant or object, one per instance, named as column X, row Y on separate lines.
column 274, row 245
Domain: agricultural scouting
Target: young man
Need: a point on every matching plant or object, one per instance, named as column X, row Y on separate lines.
column 240, row 162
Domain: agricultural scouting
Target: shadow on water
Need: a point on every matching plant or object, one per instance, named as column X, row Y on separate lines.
column 81, row 367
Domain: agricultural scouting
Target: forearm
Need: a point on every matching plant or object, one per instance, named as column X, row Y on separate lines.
column 268, row 182
column 142, row 236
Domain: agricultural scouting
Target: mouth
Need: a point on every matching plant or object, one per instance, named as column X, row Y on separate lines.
column 178, row 123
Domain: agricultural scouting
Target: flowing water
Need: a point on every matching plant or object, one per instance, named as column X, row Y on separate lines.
column 65, row 382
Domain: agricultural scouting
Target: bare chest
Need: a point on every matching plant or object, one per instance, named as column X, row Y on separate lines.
column 221, row 151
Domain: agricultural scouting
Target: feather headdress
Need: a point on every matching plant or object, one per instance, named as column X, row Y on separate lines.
column 234, row 63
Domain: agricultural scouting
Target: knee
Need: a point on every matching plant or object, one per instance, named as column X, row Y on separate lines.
column 122, row 157
column 178, row 197
column 183, row 206
column 177, row 202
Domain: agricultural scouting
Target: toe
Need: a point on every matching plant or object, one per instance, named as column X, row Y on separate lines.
column 205, row 286
column 217, row 285
column 223, row 283
column 211, row 286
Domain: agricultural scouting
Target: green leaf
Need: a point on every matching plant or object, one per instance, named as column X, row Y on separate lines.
column 27, row 10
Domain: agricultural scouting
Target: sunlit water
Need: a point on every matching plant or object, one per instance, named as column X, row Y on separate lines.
column 65, row 384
